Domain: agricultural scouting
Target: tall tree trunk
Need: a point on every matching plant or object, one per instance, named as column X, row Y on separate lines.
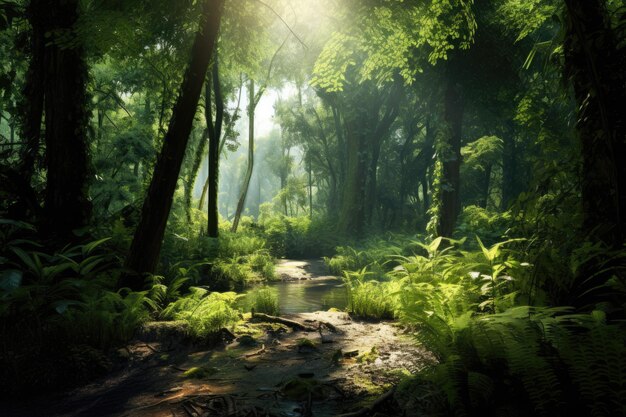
column 425, row 198
column 246, row 183
column 509, row 168
column 595, row 66
column 450, row 196
column 67, row 206
column 148, row 239
column 215, row 132
column 310, row 171
column 33, row 94
column 352, row 215
column 484, row 198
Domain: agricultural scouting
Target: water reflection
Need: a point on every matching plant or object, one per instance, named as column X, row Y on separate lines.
column 310, row 295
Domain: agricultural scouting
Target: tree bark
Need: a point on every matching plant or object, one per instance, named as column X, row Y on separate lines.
column 450, row 196
column 148, row 239
column 193, row 174
column 33, row 94
column 215, row 132
column 66, row 206
column 484, row 198
column 595, row 65
column 509, row 168
column 246, row 183
column 352, row 214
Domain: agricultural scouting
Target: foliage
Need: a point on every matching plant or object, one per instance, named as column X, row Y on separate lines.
column 368, row 298
column 59, row 313
column 493, row 353
column 262, row 300
column 206, row 312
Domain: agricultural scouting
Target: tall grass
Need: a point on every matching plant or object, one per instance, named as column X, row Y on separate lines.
column 262, row 300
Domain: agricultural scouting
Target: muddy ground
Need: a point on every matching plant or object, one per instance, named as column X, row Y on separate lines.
column 269, row 370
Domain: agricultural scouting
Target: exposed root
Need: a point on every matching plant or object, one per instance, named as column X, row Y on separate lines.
column 375, row 406
column 289, row 323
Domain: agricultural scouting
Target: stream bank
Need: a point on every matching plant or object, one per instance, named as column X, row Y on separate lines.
column 337, row 365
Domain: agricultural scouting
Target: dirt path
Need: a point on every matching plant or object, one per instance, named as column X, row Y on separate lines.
column 272, row 371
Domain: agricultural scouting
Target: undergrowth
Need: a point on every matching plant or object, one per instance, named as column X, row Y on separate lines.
column 465, row 302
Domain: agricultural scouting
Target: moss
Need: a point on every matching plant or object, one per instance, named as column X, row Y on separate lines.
column 163, row 331
column 367, row 385
column 368, row 357
column 200, row 372
column 299, row 389
column 306, row 345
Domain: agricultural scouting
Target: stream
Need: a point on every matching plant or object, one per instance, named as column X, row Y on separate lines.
column 306, row 286
column 265, row 370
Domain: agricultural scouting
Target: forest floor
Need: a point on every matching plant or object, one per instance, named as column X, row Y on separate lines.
column 336, row 365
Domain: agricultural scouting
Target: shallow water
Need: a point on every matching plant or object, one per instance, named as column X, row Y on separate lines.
column 310, row 295
column 307, row 286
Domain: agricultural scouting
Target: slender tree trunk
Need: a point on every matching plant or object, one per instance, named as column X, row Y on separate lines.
column 193, row 174
column 66, row 117
column 450, row 196
column 509, row 168
column 484, row 200
column 215, row 132
column 257, row 194
column 425, row 196
column 205, row 190
column 310, row 169
column 148, row 239
column 246, row 183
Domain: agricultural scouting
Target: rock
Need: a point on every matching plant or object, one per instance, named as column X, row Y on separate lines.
column 163, row 331
column 351, row 354
column 247, row 340
column 298, row 389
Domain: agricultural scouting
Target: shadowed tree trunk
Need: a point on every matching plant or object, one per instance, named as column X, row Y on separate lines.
column 148, row 239
column 66, row 205
column 33, row 93
column 215, row 132
column 509, row 167
column 595, row 66
column 486, row 184
column 450, row 196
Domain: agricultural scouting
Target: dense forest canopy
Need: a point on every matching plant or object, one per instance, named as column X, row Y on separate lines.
column 458, row 163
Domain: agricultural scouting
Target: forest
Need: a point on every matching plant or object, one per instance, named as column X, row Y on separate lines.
column 312, row 208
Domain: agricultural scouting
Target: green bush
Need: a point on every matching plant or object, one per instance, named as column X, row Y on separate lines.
column 59, row 314
column 206, row 313
column 477, row 221
column 262, row 300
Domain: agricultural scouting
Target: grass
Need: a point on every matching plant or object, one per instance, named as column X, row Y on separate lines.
column 262, row 300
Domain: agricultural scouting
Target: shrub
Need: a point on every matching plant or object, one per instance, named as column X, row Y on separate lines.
column 207, row 313
column 262, row 300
